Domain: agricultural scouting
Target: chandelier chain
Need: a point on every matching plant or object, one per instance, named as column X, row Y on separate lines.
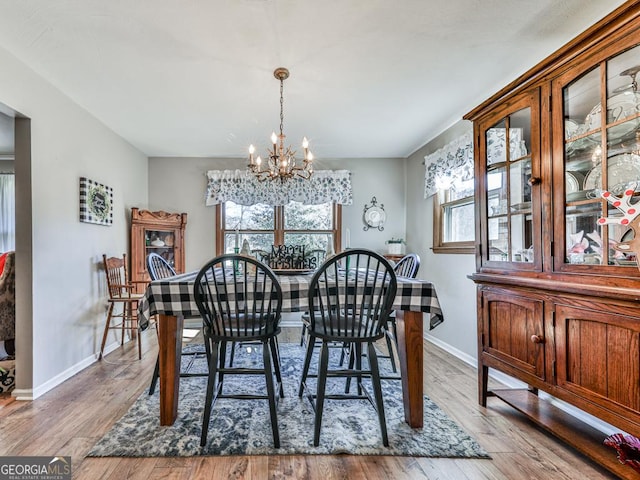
column 281, row 106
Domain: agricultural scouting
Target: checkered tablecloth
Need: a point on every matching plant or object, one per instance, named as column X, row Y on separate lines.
column 174, row 296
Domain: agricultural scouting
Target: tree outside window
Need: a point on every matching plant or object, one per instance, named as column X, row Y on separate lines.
column 313, row 226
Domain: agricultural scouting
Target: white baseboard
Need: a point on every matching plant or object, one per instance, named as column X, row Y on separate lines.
column 33, row 393
column 513, row 383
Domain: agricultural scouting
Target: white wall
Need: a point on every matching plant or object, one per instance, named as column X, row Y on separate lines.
column 64, row 291
column 178, row 185
column 448, row 272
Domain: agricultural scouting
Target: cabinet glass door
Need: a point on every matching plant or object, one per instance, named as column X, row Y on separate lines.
column 510, row 231
column 161, row 242
column 601, row 153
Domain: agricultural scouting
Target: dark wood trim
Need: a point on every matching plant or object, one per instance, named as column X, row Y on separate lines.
column 564, row 284
column 219, row 234
column 448, row 247
column 455, row 249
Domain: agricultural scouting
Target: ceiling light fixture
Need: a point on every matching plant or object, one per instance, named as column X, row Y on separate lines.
column 282, row 162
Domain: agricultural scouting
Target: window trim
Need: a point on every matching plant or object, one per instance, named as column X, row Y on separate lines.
column 440, row 203
column 279, row 230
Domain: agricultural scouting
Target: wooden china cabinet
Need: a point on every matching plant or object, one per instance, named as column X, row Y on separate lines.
column 158, row 232
column 558, row 297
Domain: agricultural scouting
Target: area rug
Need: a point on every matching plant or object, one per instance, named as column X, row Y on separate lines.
column 242, row 427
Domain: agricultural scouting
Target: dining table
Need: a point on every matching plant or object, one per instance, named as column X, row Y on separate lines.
column 172, row 299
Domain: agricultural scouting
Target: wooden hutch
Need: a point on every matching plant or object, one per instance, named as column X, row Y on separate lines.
column 558, row 298
column 158, row 232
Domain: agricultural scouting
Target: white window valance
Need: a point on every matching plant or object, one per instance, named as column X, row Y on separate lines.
column 445, row 166
column 243, row 188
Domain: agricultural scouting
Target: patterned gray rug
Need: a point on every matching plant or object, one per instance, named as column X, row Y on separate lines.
column 242, row 427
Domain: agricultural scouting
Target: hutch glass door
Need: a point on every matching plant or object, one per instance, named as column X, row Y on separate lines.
column 510, row 231
column 601, row 153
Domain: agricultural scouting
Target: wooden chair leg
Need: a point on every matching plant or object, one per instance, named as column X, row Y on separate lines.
column 352, row 361
column 268, row 375
column 154, row 379
column 322, row 384
column 208, row 403
column 387, row 336
column 303, row 334
column 106, row 330
column 358, row 350
column 307, row 362
column 377, row 392
column 275, row 356
column 124, row 323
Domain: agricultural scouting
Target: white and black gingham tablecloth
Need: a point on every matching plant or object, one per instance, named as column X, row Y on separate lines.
column 174, row 296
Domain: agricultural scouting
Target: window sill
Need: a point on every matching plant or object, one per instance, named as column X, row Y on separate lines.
column 457, row 249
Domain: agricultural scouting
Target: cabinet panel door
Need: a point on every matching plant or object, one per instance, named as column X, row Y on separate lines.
column 598, row 355
column 513, row 331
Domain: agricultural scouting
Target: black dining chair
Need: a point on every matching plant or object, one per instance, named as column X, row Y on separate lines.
column 350, row 299
column 315, row 258
column 158, row 269
column 408, row 267
column 240, row 300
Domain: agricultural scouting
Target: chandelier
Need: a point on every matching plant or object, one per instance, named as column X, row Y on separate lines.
column 282, row 161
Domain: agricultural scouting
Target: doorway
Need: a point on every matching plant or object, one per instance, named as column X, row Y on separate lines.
column 7, row 257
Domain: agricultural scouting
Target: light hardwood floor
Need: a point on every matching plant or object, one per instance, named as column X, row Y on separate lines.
column 69, row 419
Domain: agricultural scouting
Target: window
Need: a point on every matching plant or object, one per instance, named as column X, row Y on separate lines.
column 454, row 218
column 7, row 212
column 263, row 226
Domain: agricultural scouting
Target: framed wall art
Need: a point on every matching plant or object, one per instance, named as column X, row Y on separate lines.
column 96, row 202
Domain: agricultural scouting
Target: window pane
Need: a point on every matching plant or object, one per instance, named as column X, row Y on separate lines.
column 311, row 241
column 498, row 239
column 248, row 217
column 497, row 191
column 461, row 189
column 520, row 189
column 521, row 238
column 459, row 222
column 308, row 217
column 261, row 241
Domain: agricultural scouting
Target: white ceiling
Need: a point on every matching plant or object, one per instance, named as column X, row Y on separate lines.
column 369, row 78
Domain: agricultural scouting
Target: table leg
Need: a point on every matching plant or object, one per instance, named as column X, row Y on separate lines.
column 409, row 325
column 170, row 346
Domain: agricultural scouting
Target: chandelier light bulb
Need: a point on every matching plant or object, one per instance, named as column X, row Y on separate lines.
column 305, row 143
column 258, row 160
column 252, row 149
column 274, row 138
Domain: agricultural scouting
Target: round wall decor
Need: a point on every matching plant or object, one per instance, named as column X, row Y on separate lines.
column 374, row 215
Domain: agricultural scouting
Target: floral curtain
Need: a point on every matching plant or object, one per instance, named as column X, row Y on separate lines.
column 445, row 166
column 243, row 188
